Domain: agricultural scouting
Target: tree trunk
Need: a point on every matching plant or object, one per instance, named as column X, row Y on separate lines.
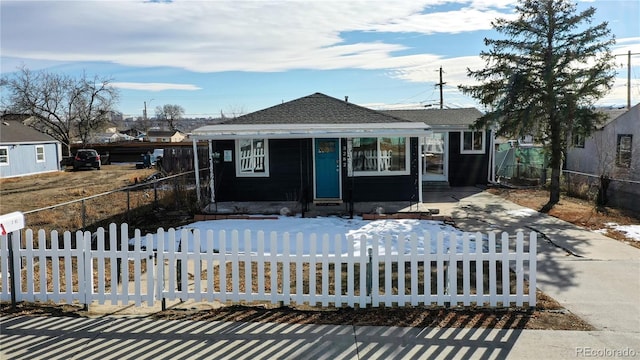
column 556, row 164
column 554, row 190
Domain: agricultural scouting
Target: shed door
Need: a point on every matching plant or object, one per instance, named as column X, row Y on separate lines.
column 327, row 168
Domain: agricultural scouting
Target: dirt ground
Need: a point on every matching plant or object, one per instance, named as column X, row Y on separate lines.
column 576, row 211
column 38, row 191
column 28, row 193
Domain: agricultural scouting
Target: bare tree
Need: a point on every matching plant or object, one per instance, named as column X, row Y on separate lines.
column 62, row 106
column 170, row 113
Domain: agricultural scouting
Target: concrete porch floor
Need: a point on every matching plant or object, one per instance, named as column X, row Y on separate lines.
column 443, row 200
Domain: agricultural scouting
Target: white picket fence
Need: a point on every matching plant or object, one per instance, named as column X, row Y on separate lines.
column 498, row 273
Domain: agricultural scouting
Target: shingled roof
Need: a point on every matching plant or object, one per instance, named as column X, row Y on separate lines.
column 438, row 117
column 14, row 132
column 317, row 108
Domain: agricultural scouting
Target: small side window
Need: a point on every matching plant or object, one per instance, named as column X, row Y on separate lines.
column 623, row 150
column 39, row 153
column 4, row 155
column 472, row 142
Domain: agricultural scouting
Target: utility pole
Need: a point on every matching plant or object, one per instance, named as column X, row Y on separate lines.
column 629, row 80
column 440, row 84
column 144, row 112
column 628, row 76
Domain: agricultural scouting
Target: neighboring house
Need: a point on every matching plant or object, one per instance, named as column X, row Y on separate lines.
column 165, row 136
column 613, row 150
column 316, row 150
column 453, row 154
column 110, row 137
column 26, row 151
column 135, row 133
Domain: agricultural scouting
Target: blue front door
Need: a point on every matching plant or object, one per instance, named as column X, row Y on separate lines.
column 327, row 171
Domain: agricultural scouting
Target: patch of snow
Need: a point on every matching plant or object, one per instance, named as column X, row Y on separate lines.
column 325, row 228
column 632, row 231
column 522, row 212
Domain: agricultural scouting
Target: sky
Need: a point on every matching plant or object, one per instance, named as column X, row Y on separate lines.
column 237, row 56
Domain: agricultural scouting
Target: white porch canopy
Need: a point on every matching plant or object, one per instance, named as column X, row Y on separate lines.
column 291, row 131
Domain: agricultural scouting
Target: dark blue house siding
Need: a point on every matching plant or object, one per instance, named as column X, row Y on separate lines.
column 290, row 171
column 467, row 169
column 291, row 177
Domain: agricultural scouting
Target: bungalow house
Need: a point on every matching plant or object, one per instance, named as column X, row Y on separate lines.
column 26, row 151
column 453, row 154
column 165, row 136
column 315, row 150
column 612, row 150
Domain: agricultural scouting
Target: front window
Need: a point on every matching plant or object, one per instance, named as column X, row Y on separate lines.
column 4, row 155
column 39, row 153
column 253, row 157
column 623, row 150
column 376, row 156
column 472, row 142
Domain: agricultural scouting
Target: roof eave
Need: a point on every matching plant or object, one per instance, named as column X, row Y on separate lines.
column 290, row 131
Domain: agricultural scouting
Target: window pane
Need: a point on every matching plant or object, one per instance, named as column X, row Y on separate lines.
column 40, row 153
column 365, row 157
column 477, row 140
column 258, row 155
column 379, row 154
column 325, row 147
column 392, row 154
column 472, row 141
column 252, row 156
column 468, row 140
column 4, row 155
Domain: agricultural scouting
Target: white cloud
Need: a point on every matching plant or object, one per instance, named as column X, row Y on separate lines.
column 154, row 86
column 211, row 36
column 255, row 36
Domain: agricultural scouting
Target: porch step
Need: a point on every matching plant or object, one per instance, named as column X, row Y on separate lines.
column 435, row 185
column 328, row 202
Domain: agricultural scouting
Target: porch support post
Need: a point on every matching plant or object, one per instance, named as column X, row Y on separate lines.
column 196, row 168
column 492, row 157
column 420, row 143
column 212, row 181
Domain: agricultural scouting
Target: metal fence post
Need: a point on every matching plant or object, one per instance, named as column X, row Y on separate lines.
column 179, row 267
column 369, row 272
column 155, row 194
column 12, row 271
column 84, row 215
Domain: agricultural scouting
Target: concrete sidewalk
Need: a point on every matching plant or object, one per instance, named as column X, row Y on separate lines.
column 593, row 276
column 142, row 338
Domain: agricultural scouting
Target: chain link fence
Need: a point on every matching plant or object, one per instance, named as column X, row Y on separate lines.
column 164, row 201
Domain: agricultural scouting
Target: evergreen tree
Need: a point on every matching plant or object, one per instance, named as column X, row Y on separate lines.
column 544, row 76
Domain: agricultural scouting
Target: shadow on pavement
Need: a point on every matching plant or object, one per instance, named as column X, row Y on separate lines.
column 129, row 338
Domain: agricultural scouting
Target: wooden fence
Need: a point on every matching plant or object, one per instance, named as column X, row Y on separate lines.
column 81, row 267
